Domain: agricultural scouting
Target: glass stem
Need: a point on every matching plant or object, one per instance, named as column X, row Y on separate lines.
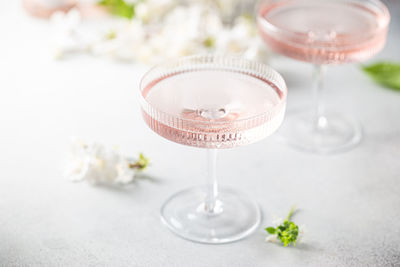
column 212, row 184
column 319, row 119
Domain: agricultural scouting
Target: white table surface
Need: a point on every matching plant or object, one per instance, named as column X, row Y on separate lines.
column 349, row 202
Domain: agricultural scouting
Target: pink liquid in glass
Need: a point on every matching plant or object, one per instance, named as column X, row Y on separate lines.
column 213, row 108
column 324, row 32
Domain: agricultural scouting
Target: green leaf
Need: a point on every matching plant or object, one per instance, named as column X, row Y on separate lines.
column 119, row 8
column 270, row 230
column 385, row 73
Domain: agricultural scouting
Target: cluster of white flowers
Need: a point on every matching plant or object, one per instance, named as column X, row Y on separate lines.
column 160, row 29
column 98, row 165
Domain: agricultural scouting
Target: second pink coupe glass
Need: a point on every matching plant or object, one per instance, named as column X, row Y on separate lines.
column 323, row 32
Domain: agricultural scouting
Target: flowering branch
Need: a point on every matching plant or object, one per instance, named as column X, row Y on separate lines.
column 150, row 31
column 98, row 165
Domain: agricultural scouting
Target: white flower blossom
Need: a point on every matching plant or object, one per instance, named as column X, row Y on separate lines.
column 160, row 29
column 127, row 37
column 271, row 238
column 300, row 237
column 125, row 173
column 142, row 11
column 65, row 27
column 98, row 165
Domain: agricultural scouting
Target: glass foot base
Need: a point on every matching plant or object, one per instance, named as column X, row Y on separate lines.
column 335, row 133
column 235, row 216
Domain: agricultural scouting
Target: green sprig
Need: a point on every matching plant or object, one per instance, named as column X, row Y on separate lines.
column 385, row 73
column 141, row 164
column 118, row 8
column 287, row 232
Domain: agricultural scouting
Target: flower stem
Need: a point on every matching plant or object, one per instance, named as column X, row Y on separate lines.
column 291, row 213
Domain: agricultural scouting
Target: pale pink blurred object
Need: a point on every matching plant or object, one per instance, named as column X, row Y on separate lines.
column 45, row 8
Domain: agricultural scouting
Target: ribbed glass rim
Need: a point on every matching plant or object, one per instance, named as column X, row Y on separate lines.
column 217, row 62
column 376, row 4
